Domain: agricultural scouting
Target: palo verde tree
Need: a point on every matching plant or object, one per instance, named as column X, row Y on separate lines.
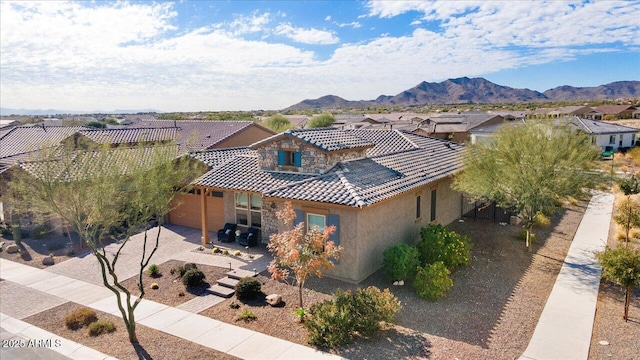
column 278, row 123
column 106, row 194
column 303, row 253
column 530, row 168
column 621, row 266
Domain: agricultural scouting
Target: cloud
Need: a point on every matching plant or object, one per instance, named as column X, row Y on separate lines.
column 253, row 23
column 353, row 24
column 327, row 18
column 307, row 36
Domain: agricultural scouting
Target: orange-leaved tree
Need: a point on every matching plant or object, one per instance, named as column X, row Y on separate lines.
column 300, row 252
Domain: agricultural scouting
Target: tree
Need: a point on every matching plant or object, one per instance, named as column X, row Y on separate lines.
column 104, row 194
column 322, row 120
column 621, row 266
column 628, row 213
column 529, row 168
column 278, row 123
column 304, row 253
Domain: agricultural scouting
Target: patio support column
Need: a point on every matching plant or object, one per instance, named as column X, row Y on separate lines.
column 203, row 212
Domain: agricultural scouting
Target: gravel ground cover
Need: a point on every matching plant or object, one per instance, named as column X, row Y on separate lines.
column 153, row 344
column 171, row 291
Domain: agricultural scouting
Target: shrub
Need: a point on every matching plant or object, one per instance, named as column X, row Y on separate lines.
column 153, row 270
column 248, row 288
column 237, row 253
column 17, row 234
column 541, row 221
column 101, row 327
column 335, row 322
column 234, row 305
column 225, row 252
column 38, row 232
column 433, row 281
column 155, row 286
column 193, row 278
column 79, row 318
column 215, row 250
column 441, row 244
column 522, row 235
column 246, row 315
column 400, row 262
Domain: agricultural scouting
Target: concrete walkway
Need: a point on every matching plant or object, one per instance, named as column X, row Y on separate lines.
column 565, row 326
column 223, row 337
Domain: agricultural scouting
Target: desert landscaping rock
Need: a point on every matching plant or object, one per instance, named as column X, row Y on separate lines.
column 12, row 249
column 48, row 261
column 274, row 299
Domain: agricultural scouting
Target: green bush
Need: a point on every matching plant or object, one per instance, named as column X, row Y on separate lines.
column 335, row 322
column 38, row 232
column 79, row 318
column 522, row 235
column 441, row 244
column 153, row 270
column 433, row 281
column 247, row 316
column 17, row 234
column 400, row 262
column 248, row 288
column 155, row 286
column 101, row 327
column 193, row 278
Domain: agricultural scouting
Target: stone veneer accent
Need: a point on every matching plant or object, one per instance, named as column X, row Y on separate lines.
column 314, row 160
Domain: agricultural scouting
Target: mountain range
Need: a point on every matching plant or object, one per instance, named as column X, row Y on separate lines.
column 476, row 91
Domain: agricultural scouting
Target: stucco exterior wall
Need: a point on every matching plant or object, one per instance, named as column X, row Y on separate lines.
column 245, row 137
column 627, row 140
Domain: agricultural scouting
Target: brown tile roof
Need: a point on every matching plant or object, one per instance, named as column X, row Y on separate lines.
column 398, row 162
column 24, row 139
column 130, row 135
column 613, row 109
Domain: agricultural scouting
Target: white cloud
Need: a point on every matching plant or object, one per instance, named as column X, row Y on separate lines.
column 327, row 18
column 353, row 24
column 307, row 36
column 254, row 23
column 416, row 23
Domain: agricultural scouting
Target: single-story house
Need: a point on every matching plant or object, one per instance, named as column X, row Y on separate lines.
column 602, row 133
column 456, row 127
column 378, row 187
column 615, row 111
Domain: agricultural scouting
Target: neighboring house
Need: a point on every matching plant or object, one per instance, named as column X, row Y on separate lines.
column 7, row 122
column 636, row 114
column 378, row 187
column 615, row 111
column 456, row 127
column 602, row 133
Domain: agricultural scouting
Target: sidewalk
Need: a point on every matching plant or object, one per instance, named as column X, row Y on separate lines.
column 564, row 328
column 230, row 339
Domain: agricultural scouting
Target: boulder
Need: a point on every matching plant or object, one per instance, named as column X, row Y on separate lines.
column 48, row 260
column 274, row 299
column 12, row 249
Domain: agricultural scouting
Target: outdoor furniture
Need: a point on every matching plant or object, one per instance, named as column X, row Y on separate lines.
column 608, row 152
column 228, row 233
column 249, row 238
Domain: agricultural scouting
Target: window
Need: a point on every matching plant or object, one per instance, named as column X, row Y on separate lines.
column 433, row 204
column 612, row 139
column 316, row 222
column 418, row 207
column 289, row 158
column 248, row 209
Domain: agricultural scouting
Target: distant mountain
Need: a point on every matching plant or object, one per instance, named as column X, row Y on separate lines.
column 476, row 91
column 40, row 112
column 614, row 90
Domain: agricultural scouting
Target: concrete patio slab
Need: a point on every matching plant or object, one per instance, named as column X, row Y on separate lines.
column 68, row 289
column 50, row 283
column 89, row 293
column 9, row 269
column 30, row 277
column 147, row 308
column 108, row 305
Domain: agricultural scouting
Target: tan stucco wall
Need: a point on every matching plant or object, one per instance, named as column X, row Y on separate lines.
column 245, row 137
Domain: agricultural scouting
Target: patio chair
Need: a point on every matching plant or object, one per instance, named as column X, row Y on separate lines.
column 249, row 238
column 228, row 233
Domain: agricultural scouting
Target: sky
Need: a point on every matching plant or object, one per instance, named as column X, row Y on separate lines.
column 268, row 55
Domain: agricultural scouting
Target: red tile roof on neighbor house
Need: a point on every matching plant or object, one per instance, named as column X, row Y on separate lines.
column 398, row 162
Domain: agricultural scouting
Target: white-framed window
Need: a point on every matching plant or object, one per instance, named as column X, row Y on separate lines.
column 612, row 139
column 316, row 222
column 248, row 209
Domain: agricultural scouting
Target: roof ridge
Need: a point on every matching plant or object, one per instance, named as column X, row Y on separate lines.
column 350, row 188
column 399, row 132
column 249, row 123
column 583, row 124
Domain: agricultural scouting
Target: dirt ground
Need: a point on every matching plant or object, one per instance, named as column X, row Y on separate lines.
column 153, row 344
column 32, row 251
column 171, row 291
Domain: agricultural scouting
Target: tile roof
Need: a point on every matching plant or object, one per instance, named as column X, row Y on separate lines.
column 130, row 135
column 327, row 139
column 24, row 139
column 195, row 135
column 600, row 127
column 398, row 162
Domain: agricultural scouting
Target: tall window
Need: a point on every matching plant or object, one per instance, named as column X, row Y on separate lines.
column 418, row 207
column 434, row 194
column 316, row 222
column 612, row 139
column 248, row 209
